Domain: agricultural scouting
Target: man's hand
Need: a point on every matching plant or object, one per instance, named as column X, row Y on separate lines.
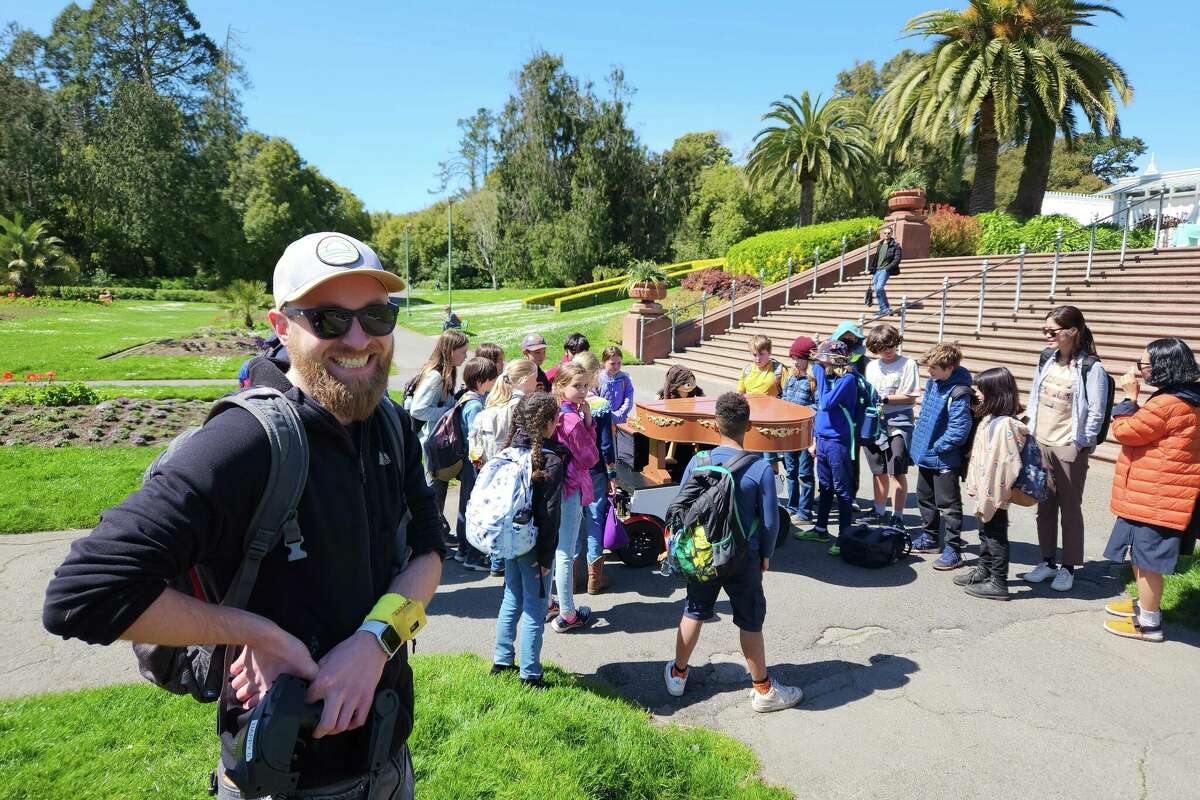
column 264, row 660
column 348, row 677
column 766, row 564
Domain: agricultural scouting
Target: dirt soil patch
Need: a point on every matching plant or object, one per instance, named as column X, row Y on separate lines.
column 122, row 422
column 207, row 342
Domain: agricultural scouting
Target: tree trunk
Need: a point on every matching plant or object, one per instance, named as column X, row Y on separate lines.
column 23, row 283
column 495, row 285
column 1035, row 171
column 808, row 192
column 987, row 150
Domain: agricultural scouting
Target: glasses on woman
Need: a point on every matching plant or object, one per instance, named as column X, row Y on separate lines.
column 333, row 322
column 1142, row 364
column 1050, row 333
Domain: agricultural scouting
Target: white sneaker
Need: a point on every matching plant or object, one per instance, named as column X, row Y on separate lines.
column 1040, row 573
column 779, row 698
column 1063, row 581
column 675, row 685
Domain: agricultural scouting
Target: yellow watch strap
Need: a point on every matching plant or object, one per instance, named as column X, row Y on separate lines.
column 406, row 616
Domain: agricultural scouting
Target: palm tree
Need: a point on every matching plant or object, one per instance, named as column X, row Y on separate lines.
column 29, row 252
column 1000, row 70
column 243, row 299
column 813, row 142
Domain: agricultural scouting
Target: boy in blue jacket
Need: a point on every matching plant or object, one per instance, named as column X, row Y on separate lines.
column 938, row 444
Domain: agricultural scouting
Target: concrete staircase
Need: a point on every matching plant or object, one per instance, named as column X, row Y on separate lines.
column 1154, row 293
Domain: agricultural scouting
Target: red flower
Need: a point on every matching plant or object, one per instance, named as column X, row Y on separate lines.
column 7, row 376
column 50, row 376
column 32, row 376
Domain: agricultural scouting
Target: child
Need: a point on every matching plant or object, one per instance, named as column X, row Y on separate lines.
column 837, row 392
column 755, row 500
column 574, row 344
column 479, row 375
column 1157, row 480
column 492, row 352
column 603, row 473
column 800, row 388
column 527, row 577
column 894, row 378
column 995, row 465
column 576, row 433
column 489, row 429
column 616, row 386
column 765, row 375
column 938, row 439
column 452, row 321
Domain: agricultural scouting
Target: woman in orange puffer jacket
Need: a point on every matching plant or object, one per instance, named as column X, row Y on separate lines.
column 1157, row 481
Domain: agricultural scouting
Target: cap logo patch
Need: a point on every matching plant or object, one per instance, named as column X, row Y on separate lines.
column 337, row 251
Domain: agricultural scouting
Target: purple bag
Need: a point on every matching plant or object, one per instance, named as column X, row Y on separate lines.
column 615, row 537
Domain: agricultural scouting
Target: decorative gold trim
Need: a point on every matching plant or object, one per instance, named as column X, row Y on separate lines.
column 708, row 423
column 666, row 422
column 780, row 433
column 634, row 422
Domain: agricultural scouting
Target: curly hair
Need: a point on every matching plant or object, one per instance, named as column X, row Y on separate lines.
column 531, row 416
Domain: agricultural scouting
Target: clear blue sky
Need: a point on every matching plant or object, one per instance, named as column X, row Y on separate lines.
column 369, row 91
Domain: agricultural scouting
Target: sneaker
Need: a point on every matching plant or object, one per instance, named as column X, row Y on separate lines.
column 897, row 521
column 459, row 556
column 552, row 610
column 583, row 617
column 675, row 684
column 1063, row 581
column 989, row 590
column 1130, row 629
column 799, row 520
column 813, row 534
column 779, row 698
column 948, row 560
column 1039, row 573
column 1123, row 608
column 475, row 566
column 500, row 669
column 534, row 683
column 834, row 550
column 973, row 575
column 925, row 543
column 496, row 573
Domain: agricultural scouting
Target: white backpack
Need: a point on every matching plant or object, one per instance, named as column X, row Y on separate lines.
column 500, row 511
column 489, row 430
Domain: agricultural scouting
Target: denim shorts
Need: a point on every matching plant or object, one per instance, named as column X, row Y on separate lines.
column 744, row 590
column 1151, row 547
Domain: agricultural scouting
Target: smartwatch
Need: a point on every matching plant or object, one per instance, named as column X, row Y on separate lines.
column 385, row 634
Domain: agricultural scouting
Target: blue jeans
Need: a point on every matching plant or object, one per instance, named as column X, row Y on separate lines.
column 526, row 597
column 466, row 480
column 798, row 478
column 565, row 552
column 595, row 515
column 877, row 283
column 834, row 470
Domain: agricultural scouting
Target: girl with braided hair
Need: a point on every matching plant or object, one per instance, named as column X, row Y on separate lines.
column 527, row 577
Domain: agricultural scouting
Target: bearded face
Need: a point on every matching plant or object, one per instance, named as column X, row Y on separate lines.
column 348, row 382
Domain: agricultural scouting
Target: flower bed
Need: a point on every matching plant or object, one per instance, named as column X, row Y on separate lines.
column 123, row 422
column 769, row 252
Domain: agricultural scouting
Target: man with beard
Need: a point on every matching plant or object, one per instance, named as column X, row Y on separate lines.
column 371, row 537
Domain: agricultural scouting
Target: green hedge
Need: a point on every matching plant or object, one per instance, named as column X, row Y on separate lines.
column 549, row 298
column 769, row 252
column 128, row 293
column 608, row 294
column 1002, row 234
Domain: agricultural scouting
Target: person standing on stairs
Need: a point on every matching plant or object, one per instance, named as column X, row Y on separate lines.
column 887, row 264
column 1068, row 403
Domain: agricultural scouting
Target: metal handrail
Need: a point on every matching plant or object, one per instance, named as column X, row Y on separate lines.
column 1020, row 256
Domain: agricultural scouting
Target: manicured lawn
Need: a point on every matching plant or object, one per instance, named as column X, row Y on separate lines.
column 50, row 489
column 1181, row 593
column 475, row 736
column 167, row 392
column 497, row 316
column 69, row 338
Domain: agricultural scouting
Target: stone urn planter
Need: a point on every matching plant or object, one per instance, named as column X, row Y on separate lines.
column 907, row 200
column 648, row 291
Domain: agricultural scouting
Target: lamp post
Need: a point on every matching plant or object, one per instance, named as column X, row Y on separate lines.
column 407, row 280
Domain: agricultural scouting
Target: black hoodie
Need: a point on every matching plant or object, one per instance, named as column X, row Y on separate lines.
column 198, row 509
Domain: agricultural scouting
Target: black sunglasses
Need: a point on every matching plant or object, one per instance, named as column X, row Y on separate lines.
column 333, row 322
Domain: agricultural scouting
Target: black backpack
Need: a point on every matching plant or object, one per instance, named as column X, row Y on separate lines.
column 707, row 539
column 1110, row 388
column 864, row 546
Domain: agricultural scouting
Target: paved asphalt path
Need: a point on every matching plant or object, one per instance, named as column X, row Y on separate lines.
column 912, row 689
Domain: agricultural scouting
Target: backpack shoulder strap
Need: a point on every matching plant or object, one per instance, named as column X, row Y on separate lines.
column 275, row 516
column 1046, row 355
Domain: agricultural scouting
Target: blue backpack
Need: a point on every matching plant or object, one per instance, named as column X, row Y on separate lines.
column 870, row 425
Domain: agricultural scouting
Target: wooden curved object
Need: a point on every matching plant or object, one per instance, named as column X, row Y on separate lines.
column 776, row 426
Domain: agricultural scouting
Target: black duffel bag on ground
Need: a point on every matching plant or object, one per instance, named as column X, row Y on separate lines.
column 864, row 546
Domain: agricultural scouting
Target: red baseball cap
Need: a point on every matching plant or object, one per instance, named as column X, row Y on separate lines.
column 802, row 347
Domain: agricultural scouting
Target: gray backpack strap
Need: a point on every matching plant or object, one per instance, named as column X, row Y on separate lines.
column 275, row 516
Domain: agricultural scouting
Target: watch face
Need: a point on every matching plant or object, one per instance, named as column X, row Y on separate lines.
column 391, row 640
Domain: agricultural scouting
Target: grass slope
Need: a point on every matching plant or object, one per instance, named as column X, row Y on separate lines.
column 475, row 736
column 68, row 338
column 1181, row 593
column 51, row 489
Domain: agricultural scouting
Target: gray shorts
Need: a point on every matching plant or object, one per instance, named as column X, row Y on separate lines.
column 393, row 781
column 1150, row 547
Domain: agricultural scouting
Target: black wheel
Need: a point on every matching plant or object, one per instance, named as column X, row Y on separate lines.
column 645, row 543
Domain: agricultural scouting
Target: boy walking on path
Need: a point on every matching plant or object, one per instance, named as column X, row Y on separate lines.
column 938, row 449
column 756, row 499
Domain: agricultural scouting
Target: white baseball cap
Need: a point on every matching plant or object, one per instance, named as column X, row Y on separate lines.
column 320, row 257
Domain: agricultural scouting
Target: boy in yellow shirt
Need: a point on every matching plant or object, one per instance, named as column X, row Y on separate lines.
column 765, row 375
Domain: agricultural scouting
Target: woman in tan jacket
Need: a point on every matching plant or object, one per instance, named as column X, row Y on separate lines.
column 994, row 467
column 1157, row 480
